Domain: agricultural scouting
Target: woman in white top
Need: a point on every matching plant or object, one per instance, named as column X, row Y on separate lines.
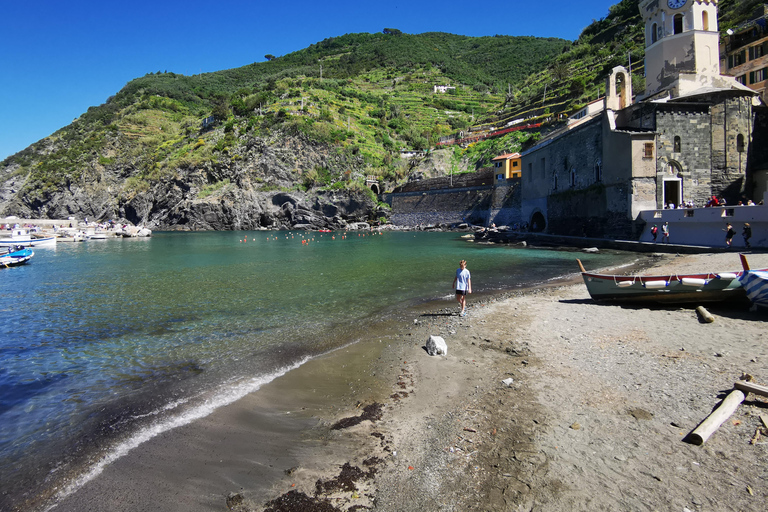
column 462, row 283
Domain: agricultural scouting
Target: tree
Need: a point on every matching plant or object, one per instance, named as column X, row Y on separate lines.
column 392, row 32
column 269, row 56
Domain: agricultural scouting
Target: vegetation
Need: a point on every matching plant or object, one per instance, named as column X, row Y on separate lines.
column 366, row 96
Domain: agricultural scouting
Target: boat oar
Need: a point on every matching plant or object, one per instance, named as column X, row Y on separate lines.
column 580, row 265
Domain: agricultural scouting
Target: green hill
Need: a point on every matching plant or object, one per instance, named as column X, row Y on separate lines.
column 322, row 118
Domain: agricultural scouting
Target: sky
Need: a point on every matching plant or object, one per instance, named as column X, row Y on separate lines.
column 59, row 58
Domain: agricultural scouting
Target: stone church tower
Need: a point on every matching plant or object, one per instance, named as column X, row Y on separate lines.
column 682, row 48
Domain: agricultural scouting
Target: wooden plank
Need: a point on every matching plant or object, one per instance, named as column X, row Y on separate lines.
column 749, row 387
column 717, row 417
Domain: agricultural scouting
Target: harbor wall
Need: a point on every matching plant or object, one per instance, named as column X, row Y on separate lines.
column 480, row 201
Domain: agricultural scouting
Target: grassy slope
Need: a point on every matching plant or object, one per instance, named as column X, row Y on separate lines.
column 375, row 98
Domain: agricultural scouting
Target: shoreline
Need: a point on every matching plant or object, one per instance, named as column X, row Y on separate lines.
column 452, row 437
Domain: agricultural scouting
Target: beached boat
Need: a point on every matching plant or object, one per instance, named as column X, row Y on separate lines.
column 15, row 256
column 23, row 237
column 755, row 284
column 669, row 288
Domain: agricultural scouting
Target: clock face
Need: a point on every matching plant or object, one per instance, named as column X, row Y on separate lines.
column 676, row 4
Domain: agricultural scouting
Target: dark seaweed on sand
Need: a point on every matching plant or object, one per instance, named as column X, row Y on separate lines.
column 371, row 412
column 295, row 501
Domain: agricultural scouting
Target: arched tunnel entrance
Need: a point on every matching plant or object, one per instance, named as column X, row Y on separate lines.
column 538, row 222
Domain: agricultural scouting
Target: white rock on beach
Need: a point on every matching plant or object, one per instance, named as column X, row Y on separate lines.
column 436, row 346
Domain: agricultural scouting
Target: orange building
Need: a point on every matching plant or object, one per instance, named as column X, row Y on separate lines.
column 507, row 166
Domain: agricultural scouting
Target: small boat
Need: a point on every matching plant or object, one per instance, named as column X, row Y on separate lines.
column 755, row 284
column 23, row 237
column 669, row 288
column 16, row 256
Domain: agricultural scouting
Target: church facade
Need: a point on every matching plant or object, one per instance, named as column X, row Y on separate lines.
column 687, row 137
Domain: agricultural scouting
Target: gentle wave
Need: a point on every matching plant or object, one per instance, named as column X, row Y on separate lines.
column 226, row 396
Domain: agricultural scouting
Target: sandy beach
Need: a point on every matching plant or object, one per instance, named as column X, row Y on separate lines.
column 601, row 399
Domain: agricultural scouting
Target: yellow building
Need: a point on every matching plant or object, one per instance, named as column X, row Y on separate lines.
column 507, row 166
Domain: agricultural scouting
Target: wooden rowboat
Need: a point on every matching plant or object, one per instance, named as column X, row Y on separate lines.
column 669, row 288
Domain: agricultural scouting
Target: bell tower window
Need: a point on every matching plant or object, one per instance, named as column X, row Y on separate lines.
column 678, row 23
column 654, row 35
column 705, row 20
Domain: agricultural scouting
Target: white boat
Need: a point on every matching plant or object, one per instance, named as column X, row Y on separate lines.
column 23, row 237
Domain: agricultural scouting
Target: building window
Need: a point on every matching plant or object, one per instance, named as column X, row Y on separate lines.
column 654, row 31
column 742, row 79
column 530, row 171
column 543, row 167
column 758, row 76
column 648, row 150
column 678, row 23
column 554, row 182
column 676, row 145
column 515, row 163
column 755, row 52
column 705, row 20
column 598, row 171
column 740, row 143
column 573, row 177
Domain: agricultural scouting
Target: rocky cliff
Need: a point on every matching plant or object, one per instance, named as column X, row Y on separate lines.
column 258, row 186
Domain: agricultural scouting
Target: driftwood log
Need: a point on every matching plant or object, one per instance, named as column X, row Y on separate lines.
column 717, row 417
column 705, row 315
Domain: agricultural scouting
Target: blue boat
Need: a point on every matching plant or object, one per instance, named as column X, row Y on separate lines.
column 755, row 284
column 16, row 256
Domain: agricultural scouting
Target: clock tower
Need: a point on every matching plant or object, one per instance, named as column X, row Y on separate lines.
column 682, row 48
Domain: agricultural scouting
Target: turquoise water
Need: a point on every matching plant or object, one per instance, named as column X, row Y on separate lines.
column 102, row 339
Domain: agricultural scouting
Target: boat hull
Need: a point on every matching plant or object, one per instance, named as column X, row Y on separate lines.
column 16, row 258
column 666, row 289
column 28, row 242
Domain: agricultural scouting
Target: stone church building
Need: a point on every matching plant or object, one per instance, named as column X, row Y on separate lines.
column 693, row 133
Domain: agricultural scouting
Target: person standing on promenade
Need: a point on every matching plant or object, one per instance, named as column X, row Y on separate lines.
column 665, row 232
column 729, row 232
column 746, row 232
column 654, row 232
column 462, row 283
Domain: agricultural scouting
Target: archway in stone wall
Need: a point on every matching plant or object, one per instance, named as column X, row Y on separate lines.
column 375, row 189
column 538, row 223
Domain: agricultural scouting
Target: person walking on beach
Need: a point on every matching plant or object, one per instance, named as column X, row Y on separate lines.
column 729, row 233
column 746, row 232
column 665, row 232
column 462, row 283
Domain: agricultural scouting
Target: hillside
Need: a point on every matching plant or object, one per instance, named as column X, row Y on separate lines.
column 213, row 151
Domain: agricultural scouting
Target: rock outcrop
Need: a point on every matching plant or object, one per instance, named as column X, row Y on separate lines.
column 261, row 186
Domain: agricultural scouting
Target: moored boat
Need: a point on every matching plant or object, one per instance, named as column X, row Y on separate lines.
column 669, row 288
column 23, row 237
column 15, row 256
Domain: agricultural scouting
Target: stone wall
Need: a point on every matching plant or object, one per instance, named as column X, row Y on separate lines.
column 482, row 178
column 446, row 206
column 474, row 198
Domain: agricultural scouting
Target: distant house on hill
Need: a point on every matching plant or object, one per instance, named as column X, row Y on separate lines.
column 442, row 89
column 507, row 166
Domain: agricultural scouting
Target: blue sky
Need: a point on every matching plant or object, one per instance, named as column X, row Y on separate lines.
column 59, row 58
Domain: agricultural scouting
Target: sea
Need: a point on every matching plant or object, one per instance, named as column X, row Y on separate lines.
column 107, row 343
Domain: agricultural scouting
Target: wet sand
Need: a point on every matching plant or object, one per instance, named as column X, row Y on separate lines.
column 600, row 400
